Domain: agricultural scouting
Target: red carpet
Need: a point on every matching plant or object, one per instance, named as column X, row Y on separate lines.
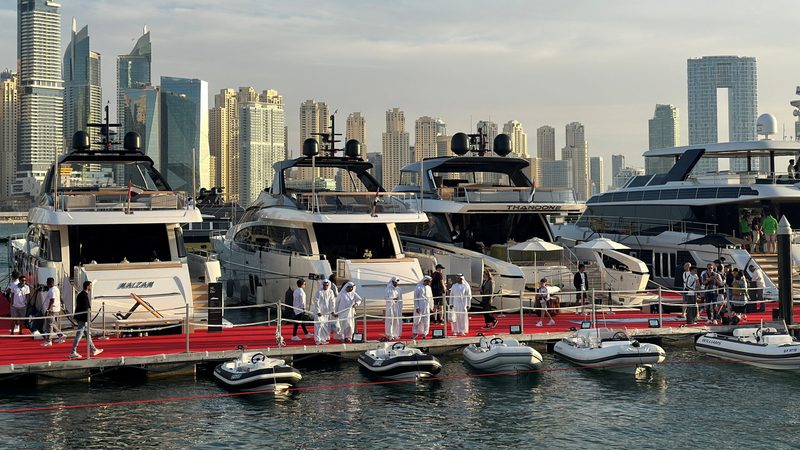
column 21, row 350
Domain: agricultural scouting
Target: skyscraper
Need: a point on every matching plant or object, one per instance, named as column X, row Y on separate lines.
column 426, row 130
column 519, row 139
column 705, row 76
column 223, row 142
column 597, row 175
column 488, row 128
column 546, row 143
column 376, row 159
column 41, row 112
column 555, row 174
column 617, row 163
column 577, row 150
column 355, row 128
column 664, row 132
column 82, row 93
column 261, row 144
column 142, row 112
column 396, row 151
column 314, row 118
column 9, row 104
column 185, row 157
column 133, row 71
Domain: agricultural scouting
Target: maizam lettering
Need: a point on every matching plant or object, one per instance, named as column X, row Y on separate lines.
column 136, row 285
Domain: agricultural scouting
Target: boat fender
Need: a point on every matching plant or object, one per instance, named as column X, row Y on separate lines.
column 635, row 343
column 257, row 358
column 398, row 346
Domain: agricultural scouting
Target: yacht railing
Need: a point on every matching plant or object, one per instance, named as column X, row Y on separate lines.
column 643, row 227
column 114, row 200
column 486, row 194
column 372, row 203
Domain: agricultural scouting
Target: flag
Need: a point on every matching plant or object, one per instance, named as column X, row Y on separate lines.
column 134, row 190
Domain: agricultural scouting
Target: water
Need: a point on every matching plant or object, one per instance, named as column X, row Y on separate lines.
column 694, row 401
column 698, row 402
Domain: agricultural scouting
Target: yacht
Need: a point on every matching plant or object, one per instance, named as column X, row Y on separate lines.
column 657, row 215
column 108, row 216
column 478, row 206
column 303, row 226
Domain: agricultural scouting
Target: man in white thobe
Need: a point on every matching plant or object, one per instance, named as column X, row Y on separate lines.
column 345, row 312
column 322, row 306
column 460, row 299
column 394, row 310
column 423, row 303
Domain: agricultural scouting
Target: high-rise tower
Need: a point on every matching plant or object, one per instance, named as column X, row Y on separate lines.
column 261, row 143
column 664, row 132
column 41, row 112
column 577, row 151
column 9, row 106
column 133, row 71
column 396, row 151
column 546, row 143
column 519, row 139
column 82, row 93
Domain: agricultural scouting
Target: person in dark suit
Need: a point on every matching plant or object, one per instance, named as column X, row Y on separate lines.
column 82, row 308
column 581, row 284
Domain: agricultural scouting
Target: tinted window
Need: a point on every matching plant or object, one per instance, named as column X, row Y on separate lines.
column 707, row 193
column 274, row 237
column 654, row 194
column 669, row 194
column 635, row 196
column 687, row 193
column 728, row 192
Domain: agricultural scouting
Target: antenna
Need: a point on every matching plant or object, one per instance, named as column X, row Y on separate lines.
column 329, row 139
column 106, row 135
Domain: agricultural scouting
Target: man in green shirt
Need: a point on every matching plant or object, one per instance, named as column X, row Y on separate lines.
column 744, row 228
column 770, row 226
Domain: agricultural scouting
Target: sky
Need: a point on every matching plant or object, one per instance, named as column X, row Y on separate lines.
column 605, row 63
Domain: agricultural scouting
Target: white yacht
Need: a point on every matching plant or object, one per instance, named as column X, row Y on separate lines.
column 303, row 229
column 656, row 215
column 478, row 206
column 108, row 216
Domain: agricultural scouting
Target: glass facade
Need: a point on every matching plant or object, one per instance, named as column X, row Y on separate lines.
column 133, row 71
column 82, row 91
column 142, row 115
column 184, row 133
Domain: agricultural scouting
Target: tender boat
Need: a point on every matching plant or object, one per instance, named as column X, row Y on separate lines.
column 495, row 354
column 254, row 371
column 765, row 347
column 603, row 348
column 396, row 361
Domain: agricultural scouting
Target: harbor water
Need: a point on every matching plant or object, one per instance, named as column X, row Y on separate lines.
column 692, row 401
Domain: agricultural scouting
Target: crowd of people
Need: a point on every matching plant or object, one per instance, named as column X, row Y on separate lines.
column 726, row 293
column 332, row 312
column 41, row 311
column 760, row 230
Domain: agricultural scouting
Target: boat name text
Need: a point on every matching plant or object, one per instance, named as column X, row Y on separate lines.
column 533, row 207
column 136, row 285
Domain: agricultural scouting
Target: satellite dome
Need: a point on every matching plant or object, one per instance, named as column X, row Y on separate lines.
column 352, row 149
column 502, row 144
column 766, row 125
column 459, row 144
column 310, row 147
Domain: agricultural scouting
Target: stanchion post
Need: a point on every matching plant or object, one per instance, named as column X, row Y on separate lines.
column 521, row 315
column 446, row 316
column 103, row 312
column 88, row 330
column 660, row 308
column 186, row 327
column 365, row 320
column 594, row 310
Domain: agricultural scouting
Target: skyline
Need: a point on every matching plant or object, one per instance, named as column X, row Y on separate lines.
column 606, row 67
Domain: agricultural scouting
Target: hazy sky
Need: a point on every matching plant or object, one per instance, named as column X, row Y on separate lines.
column 602, row 63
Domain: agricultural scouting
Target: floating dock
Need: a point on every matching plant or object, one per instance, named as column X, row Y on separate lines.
column 22, row 357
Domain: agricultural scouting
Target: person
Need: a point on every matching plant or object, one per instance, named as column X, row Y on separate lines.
column 299, row 310
column 770, row 227
column 744, row 226
column 423, row 302
column 460, row 299
column 20, row 297
column 687, row 272
column 790, row 169
column 322, row 307
column 487, row 297
column 11, row 283
column 581, row 283
column 333, row 324
column 755, row 231
column 543, row 298
column 439, row 289
column 394, row 309
column 83, row 306
column 346, row 303
column 52, row 309
column 757, row 287
column 710, row 283
column 690, row 296
column 739, row 296
column 458, row 236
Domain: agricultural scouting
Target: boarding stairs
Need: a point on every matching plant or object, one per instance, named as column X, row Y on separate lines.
column 769, row 264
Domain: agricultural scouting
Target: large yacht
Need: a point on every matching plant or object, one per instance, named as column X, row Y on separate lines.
column 478, row 206
column 108, row 216
column 656, row 215
column 304, row 226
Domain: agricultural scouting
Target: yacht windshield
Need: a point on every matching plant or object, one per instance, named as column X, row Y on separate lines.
column 87, row 175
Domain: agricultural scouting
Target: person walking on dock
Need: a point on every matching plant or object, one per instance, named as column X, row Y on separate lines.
column 83, row 306
column 581, row 284
column 460, row 299
column 20, row 297
column 690, row 293
column 322, row 307
column 52, row 309
column 770, row 234
column 423, row 302
column 439, row 289
column 487, row 297
column 757, row 287
column 394, row 310
column 346, row 303
column 543, row 300
column 299, row 310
